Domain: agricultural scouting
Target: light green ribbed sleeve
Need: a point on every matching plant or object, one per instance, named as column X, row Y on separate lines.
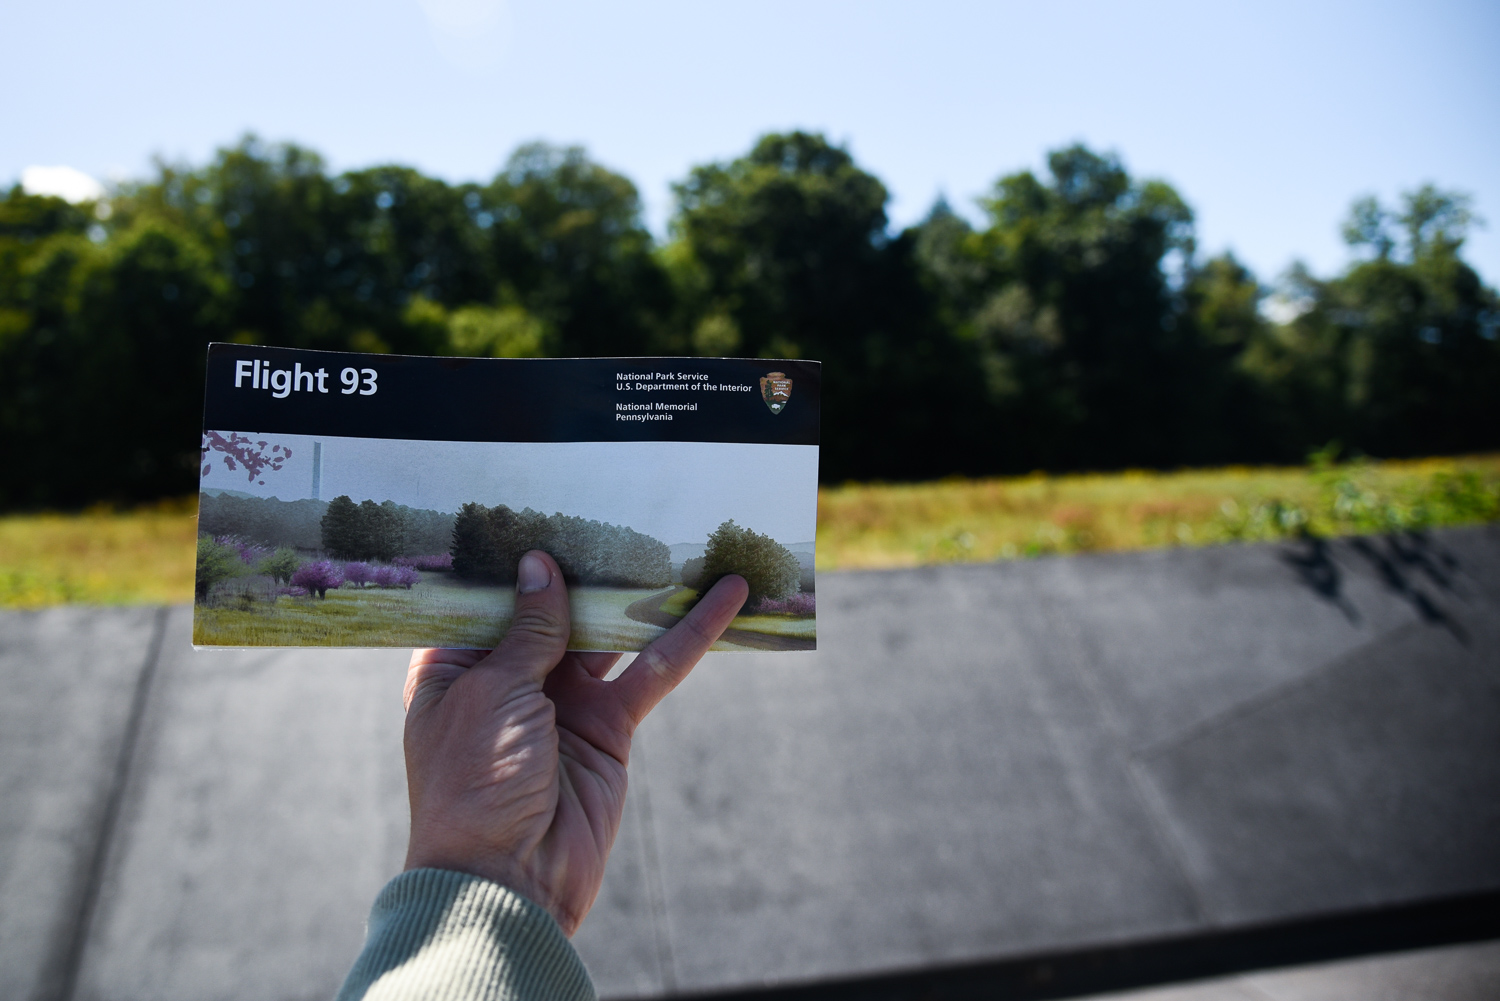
column 437, row 935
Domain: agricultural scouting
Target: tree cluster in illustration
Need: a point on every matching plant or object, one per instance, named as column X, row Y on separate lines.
column 488, row 543
column 768, row 567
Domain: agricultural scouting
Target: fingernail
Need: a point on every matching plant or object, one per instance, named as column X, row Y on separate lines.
column 533, row 574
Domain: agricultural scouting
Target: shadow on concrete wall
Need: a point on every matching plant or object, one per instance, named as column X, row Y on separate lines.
column 1404, row 562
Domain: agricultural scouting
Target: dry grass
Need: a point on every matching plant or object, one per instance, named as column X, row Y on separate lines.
column 146, row 556
column 902, row 525
column 99, row 557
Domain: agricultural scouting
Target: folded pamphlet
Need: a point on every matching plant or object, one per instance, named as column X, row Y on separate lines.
column 358, row 500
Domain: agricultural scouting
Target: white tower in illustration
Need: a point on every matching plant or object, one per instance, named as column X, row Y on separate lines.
column 317, row 469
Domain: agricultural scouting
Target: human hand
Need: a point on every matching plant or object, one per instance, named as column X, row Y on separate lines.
column 515, row 758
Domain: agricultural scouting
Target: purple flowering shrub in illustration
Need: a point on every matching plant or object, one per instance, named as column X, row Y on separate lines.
column 433, row 563
column 800, row 604
column 240, row 451
column 397, row 576
column 250, row 554
column 318, row 578
column 358, row 573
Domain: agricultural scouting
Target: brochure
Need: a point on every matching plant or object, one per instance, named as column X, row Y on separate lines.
column 361, row 500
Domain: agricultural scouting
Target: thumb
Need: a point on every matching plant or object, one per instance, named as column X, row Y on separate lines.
column 539, row 629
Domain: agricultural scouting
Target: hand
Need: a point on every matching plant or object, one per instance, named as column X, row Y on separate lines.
column 515, row 758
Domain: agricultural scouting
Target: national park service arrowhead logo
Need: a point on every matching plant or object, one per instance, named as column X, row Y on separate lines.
column 776, row 390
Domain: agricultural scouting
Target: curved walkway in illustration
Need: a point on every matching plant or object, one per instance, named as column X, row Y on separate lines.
column 649, row 610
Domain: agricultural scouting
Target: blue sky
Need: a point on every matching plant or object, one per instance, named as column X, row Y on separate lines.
column 675, row 491
column 1270, row 117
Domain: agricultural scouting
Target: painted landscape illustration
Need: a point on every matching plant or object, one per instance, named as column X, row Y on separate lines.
column 640, row 531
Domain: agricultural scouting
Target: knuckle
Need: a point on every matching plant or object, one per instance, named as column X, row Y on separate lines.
column 537, row 624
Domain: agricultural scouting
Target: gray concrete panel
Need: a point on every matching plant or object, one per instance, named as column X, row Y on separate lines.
column 1373, row 782
column 980, row 762
column 70, row 678
column 623, row 941
column 931, row 787
column 1177, row 636
column 266, row 809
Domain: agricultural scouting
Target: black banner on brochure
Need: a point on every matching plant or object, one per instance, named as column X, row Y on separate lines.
column 292, row 391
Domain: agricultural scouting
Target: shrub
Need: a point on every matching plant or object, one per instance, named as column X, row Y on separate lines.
column 359, row 574
column 318, row 578
column 397, row 576
column 248, row 552
column 434, row 563
column 216, row 561
column 801, row 604
column 767, row 566
column 280, row 565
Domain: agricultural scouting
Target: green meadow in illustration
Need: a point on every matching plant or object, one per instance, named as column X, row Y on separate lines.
column 310, row 572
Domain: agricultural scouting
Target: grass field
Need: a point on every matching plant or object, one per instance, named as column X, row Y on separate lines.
column 900, row 525
column 99, row 557
column 801, row 627
column 440, row 611
column 146, row 556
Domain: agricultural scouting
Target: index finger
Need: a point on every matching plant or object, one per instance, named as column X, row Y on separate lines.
column 667, row 660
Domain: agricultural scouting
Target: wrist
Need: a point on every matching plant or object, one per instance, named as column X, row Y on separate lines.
column 497, row 869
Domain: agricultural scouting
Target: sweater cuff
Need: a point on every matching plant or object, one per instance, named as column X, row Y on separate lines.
column 445, row 936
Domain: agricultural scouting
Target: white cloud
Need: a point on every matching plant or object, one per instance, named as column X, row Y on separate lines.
column 471, row 34
column 63, row 182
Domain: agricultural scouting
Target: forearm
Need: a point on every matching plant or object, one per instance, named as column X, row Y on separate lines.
column 438, row 935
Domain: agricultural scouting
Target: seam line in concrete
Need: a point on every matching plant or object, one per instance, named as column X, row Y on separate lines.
column 1159, row 817
column 1083, row 662
column 89, row 899
column 656, row 894
column 1270, row 696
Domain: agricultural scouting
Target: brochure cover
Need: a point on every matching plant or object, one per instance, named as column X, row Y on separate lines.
column 353, row 500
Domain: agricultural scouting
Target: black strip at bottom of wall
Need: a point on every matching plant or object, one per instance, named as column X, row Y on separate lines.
column 1325, row 938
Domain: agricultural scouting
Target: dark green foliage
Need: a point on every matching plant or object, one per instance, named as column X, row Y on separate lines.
column 785, row 253
column 488, row 543
column 343, row 535
column 104, row 341
column 371, row 531
column 1076, row 328
column 382, row 531
column 768, row 567
column 1397, row 356
column 692, row 573
column 426, row 531
column 568, row 244
column 1086, row 349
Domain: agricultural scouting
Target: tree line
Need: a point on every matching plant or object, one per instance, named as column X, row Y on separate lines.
column 340, row 527
column 1077, row 328
column 488, row 543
